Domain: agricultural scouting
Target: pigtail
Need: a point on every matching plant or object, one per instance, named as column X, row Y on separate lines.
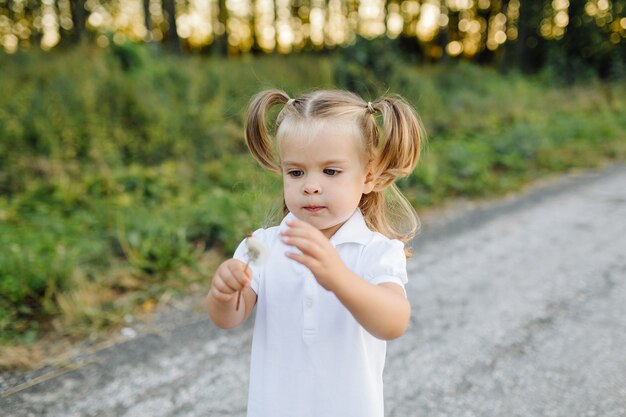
column 397, row 153
column 400, row 143
column 258, row 139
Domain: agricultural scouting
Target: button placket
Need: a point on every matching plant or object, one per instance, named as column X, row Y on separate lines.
column 308, row 301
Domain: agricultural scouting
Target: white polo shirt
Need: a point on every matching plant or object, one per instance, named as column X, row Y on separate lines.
column 310, row 357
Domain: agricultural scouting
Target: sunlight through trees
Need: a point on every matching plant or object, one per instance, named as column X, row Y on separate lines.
column 472, row 29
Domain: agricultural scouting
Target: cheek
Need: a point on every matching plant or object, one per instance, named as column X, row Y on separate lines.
column 289, row 191
column 356, row 185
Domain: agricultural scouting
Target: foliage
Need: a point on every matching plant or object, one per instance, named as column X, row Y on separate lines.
column 119, row 169
column 573, row 39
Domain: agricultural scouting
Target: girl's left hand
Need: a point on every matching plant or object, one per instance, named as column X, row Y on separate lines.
column 318, row 254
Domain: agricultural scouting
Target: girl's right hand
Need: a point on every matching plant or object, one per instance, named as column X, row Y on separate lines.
column 229, row 278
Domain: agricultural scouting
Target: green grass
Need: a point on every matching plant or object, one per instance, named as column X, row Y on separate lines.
column 121, row 169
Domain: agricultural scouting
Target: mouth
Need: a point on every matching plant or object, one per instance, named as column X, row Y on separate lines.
column 313, row 209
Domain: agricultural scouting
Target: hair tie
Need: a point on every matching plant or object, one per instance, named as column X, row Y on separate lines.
column 291, row 100
column 370, row 107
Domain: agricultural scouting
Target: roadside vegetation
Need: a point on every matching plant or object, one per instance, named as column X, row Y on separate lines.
column 124, row 177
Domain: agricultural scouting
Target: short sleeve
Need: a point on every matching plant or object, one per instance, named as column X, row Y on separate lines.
column 241, row 254
column 385, row 261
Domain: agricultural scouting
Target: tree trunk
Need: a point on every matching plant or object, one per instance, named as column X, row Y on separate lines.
column 443, row 36
column 170, row 38
column 146, row 19
column 503, row 52
column 79, row 19
column 529, row 48
column 221, row 40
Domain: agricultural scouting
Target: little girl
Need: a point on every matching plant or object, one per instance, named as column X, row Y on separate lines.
column 331, row 291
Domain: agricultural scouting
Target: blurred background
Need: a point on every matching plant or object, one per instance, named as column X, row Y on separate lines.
column 124, row 177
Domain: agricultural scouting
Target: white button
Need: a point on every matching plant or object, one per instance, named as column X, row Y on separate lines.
column 308, row 302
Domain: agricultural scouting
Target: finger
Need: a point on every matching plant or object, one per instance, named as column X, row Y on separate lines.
column 219, row 287
column 307, row 246
column 304, row 236
column 307, row 261
column 297, row 226
column 218, row 295
column 222, row 295
column 228, row 283
column 295, row 222
column 248, row 273
column 311, row 234
column 296, row 257
column 241, row 275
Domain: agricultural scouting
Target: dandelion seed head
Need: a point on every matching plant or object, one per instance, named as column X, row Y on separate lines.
column 256, row 250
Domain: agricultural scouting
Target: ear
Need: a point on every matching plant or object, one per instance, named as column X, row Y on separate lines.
column 369, row 184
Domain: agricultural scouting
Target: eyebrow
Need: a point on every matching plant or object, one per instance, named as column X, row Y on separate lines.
column 328, row 162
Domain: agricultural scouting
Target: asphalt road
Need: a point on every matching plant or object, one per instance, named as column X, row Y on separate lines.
column 519, row 309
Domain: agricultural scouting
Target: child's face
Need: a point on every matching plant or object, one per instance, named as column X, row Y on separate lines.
column 324, row 174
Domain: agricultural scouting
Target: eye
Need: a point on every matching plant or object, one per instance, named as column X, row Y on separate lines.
column 295, row 173
column 331, row 172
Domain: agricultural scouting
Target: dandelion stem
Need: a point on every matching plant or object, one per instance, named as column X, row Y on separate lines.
column 239, row 292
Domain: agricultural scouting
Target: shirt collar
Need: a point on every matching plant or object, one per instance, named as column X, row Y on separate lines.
column 354, row 230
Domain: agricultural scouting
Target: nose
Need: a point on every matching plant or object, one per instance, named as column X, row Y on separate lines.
column 311, row 188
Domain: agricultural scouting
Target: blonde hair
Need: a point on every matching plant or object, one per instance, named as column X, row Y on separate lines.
column 392, row 153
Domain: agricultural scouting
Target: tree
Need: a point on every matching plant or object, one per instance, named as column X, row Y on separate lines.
column 528, row 50
column 79, row 19
column 586, row 46
column 170, row 37
column 221, row 40
column 146, row 18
